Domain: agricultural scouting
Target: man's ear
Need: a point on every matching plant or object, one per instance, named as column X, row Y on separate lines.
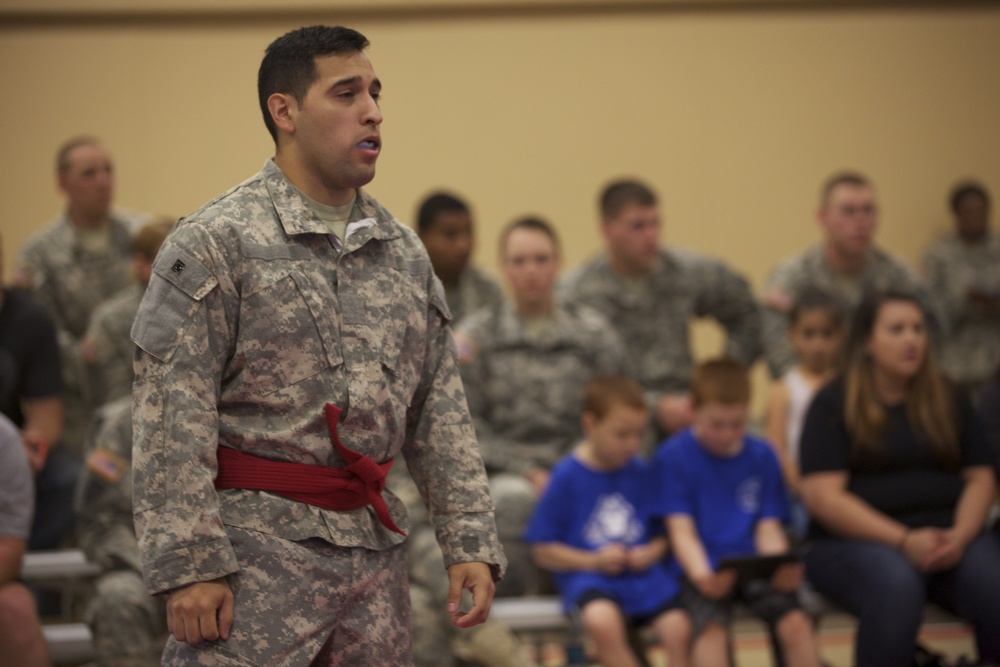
column 283, row 108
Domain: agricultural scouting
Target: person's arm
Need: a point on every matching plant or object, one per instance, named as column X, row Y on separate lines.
column 43, row 422
column 11, row 555
column 559, row 557
column 776, row 430
column 973, row 507
column 841, row 512
column 951, row 297
column 691, row 554
column 725, row 295
column 442, row 457
column 183, row 337
column 769, row 537
column 779, row 295
column 493, row 446
column 103, row 500
column 642, row 556
column 41, row 397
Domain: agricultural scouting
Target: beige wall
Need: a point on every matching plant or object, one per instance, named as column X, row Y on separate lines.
column 735, row 114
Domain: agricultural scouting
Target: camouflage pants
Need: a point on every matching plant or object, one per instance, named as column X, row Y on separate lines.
column 514, row 500
column 129, row 625
column 309, row 603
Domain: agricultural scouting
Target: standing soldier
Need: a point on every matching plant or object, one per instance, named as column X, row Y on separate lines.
column 652, row 294
column 293, row 341
column 963, row 273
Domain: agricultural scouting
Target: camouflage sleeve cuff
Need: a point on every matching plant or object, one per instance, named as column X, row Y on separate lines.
column 473, row 543
column 202, row 562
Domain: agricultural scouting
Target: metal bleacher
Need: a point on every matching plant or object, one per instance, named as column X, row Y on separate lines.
column 70, row 573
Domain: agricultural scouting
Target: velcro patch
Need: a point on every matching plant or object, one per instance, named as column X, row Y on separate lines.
column 106, row 465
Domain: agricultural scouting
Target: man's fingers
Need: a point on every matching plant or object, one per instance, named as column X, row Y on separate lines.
column 455, row 584
column 226, row 616
column 482, row 600
column 200, row 611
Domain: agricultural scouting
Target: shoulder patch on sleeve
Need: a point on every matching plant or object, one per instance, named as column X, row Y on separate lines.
column 185, row 271
column 179, row 282
column 106, row 465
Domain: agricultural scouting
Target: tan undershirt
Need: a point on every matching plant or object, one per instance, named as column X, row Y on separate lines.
column 95, row 241
column 334, row 217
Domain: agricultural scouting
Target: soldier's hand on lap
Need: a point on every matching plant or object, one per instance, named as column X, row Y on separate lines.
column 202, row 611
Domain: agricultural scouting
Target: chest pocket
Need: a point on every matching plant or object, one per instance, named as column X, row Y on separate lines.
column 384, row 321
column 285, row 334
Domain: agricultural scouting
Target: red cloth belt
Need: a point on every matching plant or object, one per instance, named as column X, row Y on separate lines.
column 358, row 484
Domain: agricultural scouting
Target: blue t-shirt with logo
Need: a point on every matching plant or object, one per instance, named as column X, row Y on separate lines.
column 724, row 496
column 588, row 509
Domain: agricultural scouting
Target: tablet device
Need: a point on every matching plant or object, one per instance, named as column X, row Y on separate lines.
column 755, row 566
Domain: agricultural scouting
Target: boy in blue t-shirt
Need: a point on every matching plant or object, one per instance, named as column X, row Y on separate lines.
column 722, row 493
column 593, row 529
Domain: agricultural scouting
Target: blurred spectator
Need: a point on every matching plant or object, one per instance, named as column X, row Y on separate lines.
column 845, row 263
column 107, row 346
column 963, row 273
column 651, row 295
column 128, row 624
column 525, row 365
column 21, row 640
column 445, row 225
column 897, row 476
column 77, row 262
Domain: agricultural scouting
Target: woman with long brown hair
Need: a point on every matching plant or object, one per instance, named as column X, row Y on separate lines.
column 898, row 480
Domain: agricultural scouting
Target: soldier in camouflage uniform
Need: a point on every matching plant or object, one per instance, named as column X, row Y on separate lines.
column 526, row 363
column 846, row 264
column 963, row 272
column 128, row 624
column 652, row 294
column 444, row 223
column 107, row 348
column 292, row 341
column 77, row 262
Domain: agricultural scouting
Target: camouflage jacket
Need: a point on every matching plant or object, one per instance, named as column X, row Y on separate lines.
column 810, row 269
column 526, row 392
column 474, row 291
column 70, row 280
column 103, row 503
column 254, row 319
column 654, row 326
column 952, row 269
column 111, row 373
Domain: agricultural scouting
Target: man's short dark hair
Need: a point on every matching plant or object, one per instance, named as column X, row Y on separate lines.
column 854, row 178
column 966, row 189
column 619, row 194
column 289, row 64
column 434, row 204
column 68, row 146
